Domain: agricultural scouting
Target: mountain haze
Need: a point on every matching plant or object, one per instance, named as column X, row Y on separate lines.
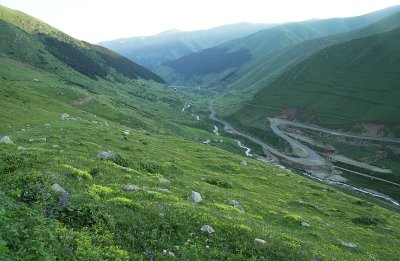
column 151, row 51
column 263, row 45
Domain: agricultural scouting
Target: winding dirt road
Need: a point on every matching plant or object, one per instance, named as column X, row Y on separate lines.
column 310, row 159
column 280, row 122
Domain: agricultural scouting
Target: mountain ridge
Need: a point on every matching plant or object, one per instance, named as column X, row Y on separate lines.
column 49, row 44
column 151, row 51
column 264, row 44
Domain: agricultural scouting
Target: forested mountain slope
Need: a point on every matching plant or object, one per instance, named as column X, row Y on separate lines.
column 40, row 45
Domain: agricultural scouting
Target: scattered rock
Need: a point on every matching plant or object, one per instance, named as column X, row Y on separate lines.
column 126, row 132
column 166, row 191
column 65, row 116
column 46, row 125
column 21, row 148
column 195, row 196
column 207, row 229
column 168, row 253
column 259, row 242
column 349, row 244
column 280, row 175
column 163, row 181
column 234, row 204
column 151, row 192
column 126, row 169
column 5, row 140
column 243, row 163
column 57, row 188
column 305, row 224
column 55, row 146
column 131, row 188
column 106, row 155
column 206, row 141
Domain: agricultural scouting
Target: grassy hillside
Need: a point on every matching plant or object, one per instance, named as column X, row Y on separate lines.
column 96, row 219
column 345, row 83
column 152, row 51
column 44, row 47
column 266, row 71
column 265, row 44
column 62, row 200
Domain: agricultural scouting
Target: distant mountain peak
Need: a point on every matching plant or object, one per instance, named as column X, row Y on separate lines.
column 170, row 32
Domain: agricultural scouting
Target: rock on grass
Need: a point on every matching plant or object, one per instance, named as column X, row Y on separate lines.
column 163, row 181
column 5, row 140
column 57, row 188
column 207, row 229
column 106, row 155
column 131, row 188
column 234, row 204
column 349, row 244
column 195, row 196
column 259, row 242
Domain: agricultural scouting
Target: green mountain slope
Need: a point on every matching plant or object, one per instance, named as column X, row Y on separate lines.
column 263, row 46
column 62, row 200
column 258, row 76
column 345, row 83
column 96, row 219
column 152, row 51
column 34, row 42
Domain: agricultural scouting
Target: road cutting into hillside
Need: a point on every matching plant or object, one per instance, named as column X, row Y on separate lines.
column 280, row 122
column 310, row 159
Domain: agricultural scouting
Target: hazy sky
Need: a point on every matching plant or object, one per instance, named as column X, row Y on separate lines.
column 97, row 20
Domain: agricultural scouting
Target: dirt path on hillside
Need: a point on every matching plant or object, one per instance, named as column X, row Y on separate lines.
column 310, row 159
column 281, row 122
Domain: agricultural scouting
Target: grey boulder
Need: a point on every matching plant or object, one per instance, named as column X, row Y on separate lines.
column 349, row 244
column 195, row 196
column 106, row 155
column 234, row 204
column 131, row 188
column 57, row 188
column 259, row 242
column 5, row 140
column 207, row 229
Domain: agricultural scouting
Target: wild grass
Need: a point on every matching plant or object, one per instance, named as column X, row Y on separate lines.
column 98, row 220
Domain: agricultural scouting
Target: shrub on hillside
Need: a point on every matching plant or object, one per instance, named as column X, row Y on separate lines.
column 218, row 182
column 152, row 167
column 367, row 221
column 12, row 162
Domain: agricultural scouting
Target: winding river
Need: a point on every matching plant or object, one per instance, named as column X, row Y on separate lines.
column 309, row 158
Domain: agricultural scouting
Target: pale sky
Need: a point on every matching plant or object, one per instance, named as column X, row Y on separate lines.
column 98, row 20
